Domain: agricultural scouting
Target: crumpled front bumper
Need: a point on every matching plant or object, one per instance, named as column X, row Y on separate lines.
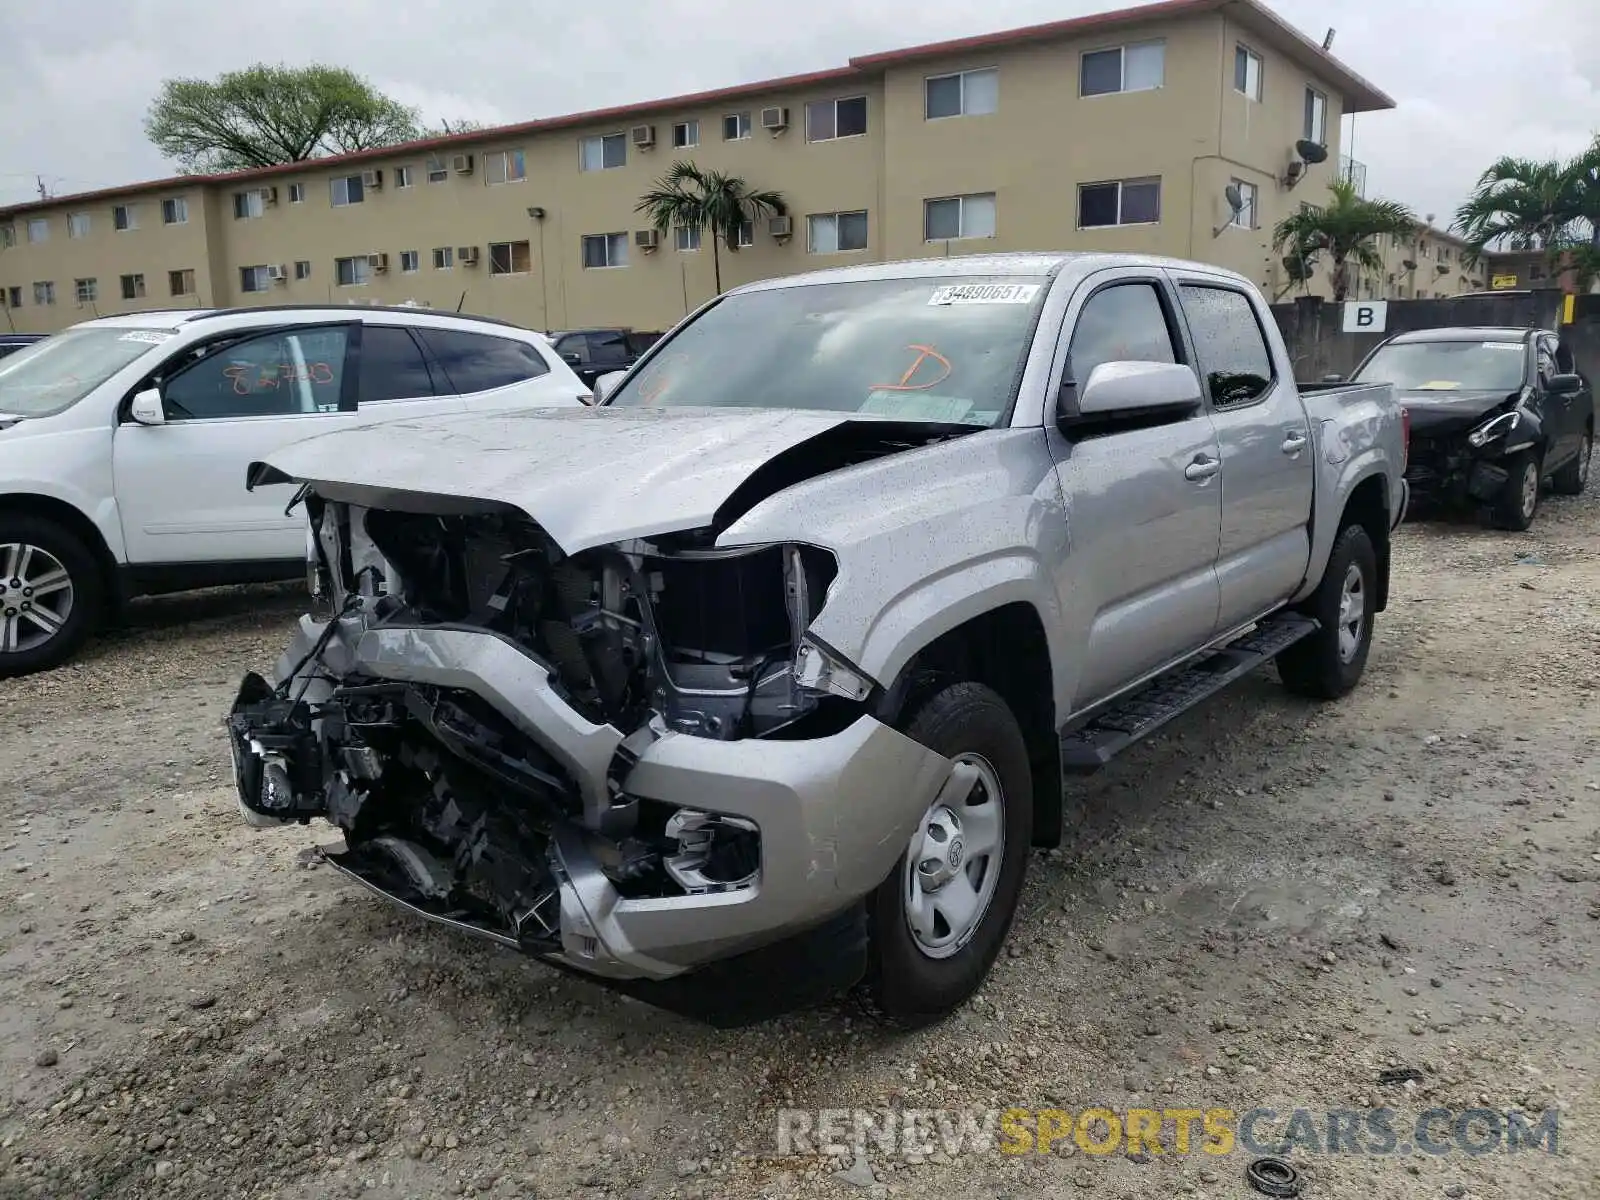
column 834, row 813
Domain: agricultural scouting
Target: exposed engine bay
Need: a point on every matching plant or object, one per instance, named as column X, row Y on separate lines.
column 450, row 806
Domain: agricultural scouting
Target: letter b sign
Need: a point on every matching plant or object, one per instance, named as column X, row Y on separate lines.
column 1366, row 316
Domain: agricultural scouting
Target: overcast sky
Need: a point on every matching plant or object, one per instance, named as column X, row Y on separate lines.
column 1474, row 78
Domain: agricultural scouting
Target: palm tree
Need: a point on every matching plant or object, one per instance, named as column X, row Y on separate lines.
column 1523, row 204
column 705, row 200
column 1344, row 229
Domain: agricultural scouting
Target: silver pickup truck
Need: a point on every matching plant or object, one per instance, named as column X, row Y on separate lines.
column 755, row 682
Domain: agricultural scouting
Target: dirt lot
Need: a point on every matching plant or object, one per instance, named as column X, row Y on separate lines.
column 1264, row 908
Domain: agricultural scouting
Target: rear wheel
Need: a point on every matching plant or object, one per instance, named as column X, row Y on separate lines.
column 1574, row 477
column 939, row 920
column 1329, row 662
column 1518, row 502
column 51, row 594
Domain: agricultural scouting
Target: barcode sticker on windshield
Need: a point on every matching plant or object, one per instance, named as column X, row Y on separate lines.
column 1502, row 346
column 985, row 293
column 147, row 335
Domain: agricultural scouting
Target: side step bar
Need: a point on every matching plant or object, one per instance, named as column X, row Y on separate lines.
column 1088, row 747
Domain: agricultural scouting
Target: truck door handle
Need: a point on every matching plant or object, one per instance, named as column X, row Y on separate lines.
column 1202, row 468
column 1294, row 442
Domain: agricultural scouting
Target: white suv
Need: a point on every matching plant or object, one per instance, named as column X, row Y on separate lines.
column 124, row 444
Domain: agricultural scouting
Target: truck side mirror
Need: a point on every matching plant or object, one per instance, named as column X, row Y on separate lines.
column 147, row 408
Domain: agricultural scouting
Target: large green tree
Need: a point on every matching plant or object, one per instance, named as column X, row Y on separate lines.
column 266, row 115
column 708, row 202
column 1345, row 230
column 1526, row 204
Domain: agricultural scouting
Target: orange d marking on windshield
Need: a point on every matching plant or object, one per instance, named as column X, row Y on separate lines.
column 924, row 354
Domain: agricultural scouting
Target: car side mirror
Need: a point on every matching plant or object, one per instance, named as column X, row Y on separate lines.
column 572, row 358
column 1565, row 384
column 605, row 383
column 147, row 408
column 1130, row 389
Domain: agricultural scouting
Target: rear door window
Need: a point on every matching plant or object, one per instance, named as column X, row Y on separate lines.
column 392, row 366
column 480, row 362
column 1228, row 342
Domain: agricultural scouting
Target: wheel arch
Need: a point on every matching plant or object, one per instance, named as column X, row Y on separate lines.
column 76, row 522
column 1368, row 507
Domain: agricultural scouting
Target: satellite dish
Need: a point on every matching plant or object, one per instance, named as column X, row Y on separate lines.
column 1234, row 197
column 1311, row 152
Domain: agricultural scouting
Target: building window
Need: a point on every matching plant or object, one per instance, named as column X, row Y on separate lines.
column 124, row 217
column 78, row 225
column 1316, row 117
column 402, row 177
column 831, row 233
column 1247, row 72
column 347, row 190
column 828, row 120
column 686, row 134
column 352, row 272
column 175, row 211
column 14, row 297
column 8, row 236
column 44, row 292
column 602, row 152
column 254, row 279
column 133, row 287
column 87, row 290
column 735, row 127
column 1119, row 202
column 746, row 235
column 505, row 166
column 302, row 268
column 38, row 230
column 410, row 262
column 964, row 94
column 180, row 283
column 297, row 193
column 1247, row 215
column 958, row 217
column 438, row 170
column 605, row 250
column 1137, row 68
column 688, row 237
column 444, row 257
column 509, row 258
column 247, row 205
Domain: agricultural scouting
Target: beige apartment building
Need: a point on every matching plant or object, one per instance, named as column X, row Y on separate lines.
column 1432, row 264
column 1119, row 131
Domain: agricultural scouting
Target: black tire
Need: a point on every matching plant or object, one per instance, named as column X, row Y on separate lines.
column 88, row 595
column 904, row 986
column 1317, row 666
column 1518, row 502
column 1574, row 477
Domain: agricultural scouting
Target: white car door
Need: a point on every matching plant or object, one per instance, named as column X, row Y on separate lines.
column 180, row 485
column 494, row 373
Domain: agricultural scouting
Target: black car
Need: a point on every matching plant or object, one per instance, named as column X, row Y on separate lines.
column 596, row 352
column 1494, row 412
column 10, row 343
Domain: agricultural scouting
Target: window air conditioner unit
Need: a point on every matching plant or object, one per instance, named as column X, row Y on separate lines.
column 269, row 195
column 461, row 164
column 467, row 256
column 277, row 274
column 646, row 239
column 775, row 119
column 644, row 136
column 372, row 179
column 378, row 262
column 780, row 227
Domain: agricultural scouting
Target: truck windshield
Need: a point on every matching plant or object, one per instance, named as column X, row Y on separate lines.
column 1447, row 366
column 52, row 375
column 929, row 349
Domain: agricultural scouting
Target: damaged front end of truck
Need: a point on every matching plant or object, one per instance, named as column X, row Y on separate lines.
column 634, row 760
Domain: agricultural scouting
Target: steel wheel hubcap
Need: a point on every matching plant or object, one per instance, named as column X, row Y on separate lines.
column 1530, row 490
column 953, row 862
column 36, row 596
column 1352, row 613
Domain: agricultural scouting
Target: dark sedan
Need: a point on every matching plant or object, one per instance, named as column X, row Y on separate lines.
column 10, row 343
column 1494, row 413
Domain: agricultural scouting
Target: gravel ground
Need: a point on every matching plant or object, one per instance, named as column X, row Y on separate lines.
column 1265, row 907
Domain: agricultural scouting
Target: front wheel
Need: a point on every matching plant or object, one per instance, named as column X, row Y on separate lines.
column 1328, row 663
column 1518, row 501
column 938, row 921
column 51, row 594
column 1574, row 477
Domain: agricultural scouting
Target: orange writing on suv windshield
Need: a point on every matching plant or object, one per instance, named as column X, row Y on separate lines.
column 924, row 354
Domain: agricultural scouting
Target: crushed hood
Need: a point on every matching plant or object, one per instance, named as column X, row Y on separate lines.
column 587, row 476
column 1438, row 412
